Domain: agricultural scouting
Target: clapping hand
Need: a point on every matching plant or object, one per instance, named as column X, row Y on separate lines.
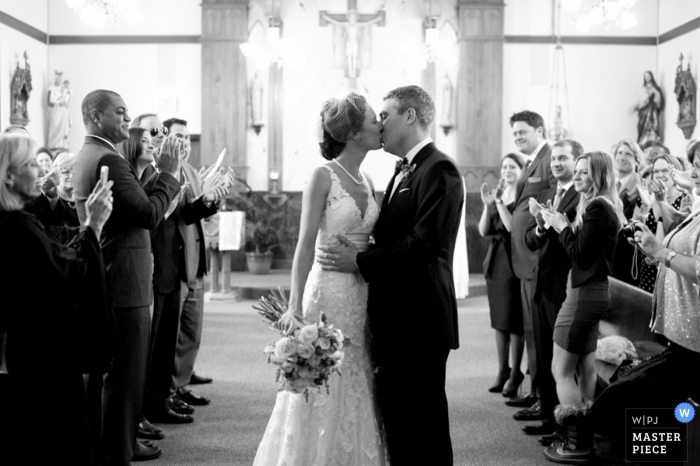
column 556, row 219
column 49, row 184
column 682, row 180
column 99, row 206
column 658, row 189
column 171, row 153
column 487, row 194
column 500, row 189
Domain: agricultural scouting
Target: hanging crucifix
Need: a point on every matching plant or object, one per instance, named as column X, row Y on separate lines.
column 352, row 39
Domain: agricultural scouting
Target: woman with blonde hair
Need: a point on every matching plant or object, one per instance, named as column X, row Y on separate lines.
column 49, row 337
column 590, row 241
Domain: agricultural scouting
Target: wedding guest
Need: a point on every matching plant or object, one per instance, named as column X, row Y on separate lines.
column 553, row 266
column 651, row 149
column 502, row 285
column 139, row 151
column 47, row 323
column 589, row 241
column 151, row 123
column 127, row 253
column 44, row 158
column 676, row 300
column 665, row 195
column 55, row 207
column 529, row 137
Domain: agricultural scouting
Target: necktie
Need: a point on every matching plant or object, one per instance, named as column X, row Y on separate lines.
column 559, row 196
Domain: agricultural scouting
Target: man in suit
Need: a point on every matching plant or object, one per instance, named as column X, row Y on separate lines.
column 529, row 133
column 551, row 272
column 411, row 287
column 126, row 248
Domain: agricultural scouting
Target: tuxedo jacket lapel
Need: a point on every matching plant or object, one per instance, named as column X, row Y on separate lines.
column 420, row 156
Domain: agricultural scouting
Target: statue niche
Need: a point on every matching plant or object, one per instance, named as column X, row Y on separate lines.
column 19, row 91
column 685, row 91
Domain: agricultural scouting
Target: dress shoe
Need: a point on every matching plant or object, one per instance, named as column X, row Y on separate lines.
column 543, row 428
column 533, row 413
column 500, row 381
column 198, row 380
column 510, row 389
column 190, row 398
column 551, row 439
column 179, row 406
column 149, row 431
column 145, row 453
column 168, row 416
column 522, row 401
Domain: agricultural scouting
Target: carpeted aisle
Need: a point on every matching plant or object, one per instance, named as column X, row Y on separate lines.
column 228, row 431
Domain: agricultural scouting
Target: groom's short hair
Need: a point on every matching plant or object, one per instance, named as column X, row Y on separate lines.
column 416, row 98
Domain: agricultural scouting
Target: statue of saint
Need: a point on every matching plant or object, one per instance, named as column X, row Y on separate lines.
column 351, row 26
column 651, row 103
column 59, row 117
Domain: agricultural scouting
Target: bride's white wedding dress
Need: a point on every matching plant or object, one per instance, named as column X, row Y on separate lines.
column 340, row 428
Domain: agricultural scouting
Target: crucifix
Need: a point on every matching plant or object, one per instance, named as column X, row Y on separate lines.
column 352, row 29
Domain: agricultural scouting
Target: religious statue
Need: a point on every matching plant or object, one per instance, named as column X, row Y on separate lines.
column 651, row 103
column 686, row 92
column 19, row 92
column 353, row 27
column 59, row 117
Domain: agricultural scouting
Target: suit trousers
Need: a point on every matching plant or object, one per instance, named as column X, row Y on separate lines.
column 527, row 294
column 122, row 397
column 190, row 333
column 164, row 328
column 417, row 425
column 544, row 315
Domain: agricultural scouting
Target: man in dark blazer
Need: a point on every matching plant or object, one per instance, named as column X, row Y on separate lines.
column 411, row 287
column 529, row 134
column 126, row 248
column 551, row 272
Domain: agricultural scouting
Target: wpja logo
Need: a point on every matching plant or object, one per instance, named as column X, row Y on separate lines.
column 658, row 434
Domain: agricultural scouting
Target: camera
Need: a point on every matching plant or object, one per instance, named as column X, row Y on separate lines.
column 629, row 229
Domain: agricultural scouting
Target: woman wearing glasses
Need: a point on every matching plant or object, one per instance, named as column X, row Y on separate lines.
column 55, row 207
column 665, row 196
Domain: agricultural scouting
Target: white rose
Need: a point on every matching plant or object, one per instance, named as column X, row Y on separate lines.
column 305, row 351
column 283, row 349
column 324, row 343
column 308, row 333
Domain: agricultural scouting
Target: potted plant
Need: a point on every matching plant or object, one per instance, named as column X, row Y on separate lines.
column 261, row 229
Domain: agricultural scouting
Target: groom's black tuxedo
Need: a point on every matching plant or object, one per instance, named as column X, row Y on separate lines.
column 412, row 309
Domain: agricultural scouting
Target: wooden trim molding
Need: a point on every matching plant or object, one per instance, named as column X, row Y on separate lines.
column 681, row 30
column 24, row 28
column 584, row 40
column 64, row 40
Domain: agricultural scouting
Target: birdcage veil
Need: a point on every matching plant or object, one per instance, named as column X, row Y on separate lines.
column 343, row 118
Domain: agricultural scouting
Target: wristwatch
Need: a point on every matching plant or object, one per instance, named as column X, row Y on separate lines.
column 669, row 257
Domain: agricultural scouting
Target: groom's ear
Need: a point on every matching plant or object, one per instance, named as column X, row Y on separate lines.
column 410, row 115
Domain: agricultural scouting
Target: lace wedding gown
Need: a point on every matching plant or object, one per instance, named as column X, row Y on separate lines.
column 340, row 428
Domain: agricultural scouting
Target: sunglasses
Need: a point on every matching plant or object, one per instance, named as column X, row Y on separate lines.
column 154, row 131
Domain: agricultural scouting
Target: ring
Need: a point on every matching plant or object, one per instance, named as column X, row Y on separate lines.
column 333, row 262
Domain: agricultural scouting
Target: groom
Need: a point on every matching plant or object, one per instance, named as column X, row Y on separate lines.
column 412, row 311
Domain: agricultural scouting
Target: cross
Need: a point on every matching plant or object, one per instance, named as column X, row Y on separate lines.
column 352, row 26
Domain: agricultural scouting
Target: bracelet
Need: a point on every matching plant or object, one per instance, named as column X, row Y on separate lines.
column 499, row 201
column 669, row 257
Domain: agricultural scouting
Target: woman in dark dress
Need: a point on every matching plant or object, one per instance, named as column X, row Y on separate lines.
column 665, row 194
column 502, row 284
column 47, row 333
column 590, row 241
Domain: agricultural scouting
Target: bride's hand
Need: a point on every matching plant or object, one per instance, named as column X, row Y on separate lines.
column 289, row 322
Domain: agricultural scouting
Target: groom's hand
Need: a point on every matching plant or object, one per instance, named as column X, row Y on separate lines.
column 338, row 259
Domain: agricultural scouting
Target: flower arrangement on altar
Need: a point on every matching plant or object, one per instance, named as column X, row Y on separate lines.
column 307, row 357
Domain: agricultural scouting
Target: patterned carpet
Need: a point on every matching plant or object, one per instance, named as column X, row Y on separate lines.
column 228, row 431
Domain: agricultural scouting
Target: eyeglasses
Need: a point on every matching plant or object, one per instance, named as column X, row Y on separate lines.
column 66, row 172
column 661, row 171
column 154, row 131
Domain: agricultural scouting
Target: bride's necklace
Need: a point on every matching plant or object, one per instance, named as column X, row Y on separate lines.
column 361, row 180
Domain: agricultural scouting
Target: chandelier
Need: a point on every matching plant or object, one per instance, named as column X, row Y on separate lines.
column 96, row 13
column 603, row 12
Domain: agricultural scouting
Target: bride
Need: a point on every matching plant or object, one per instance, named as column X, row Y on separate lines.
column 340, row 428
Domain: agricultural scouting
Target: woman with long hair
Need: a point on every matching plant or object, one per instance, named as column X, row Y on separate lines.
column 502, row 285
column 139, row 151
column 590, row 241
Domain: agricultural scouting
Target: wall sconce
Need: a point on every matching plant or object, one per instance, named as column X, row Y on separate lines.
column 269, row 50
column 256, row 103
column 446, row 120
column 432, row 37
column 275, row 198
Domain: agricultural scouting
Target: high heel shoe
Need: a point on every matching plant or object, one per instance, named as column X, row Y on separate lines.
column 500, row 381
column 512, row 387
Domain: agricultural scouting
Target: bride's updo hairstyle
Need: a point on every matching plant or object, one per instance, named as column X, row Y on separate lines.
column 341, row 120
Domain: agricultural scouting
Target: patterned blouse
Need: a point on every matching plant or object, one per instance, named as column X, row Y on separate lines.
column 676, row 308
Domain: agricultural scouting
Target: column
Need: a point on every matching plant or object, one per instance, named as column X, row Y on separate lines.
column 479, row 108
column 224, row 83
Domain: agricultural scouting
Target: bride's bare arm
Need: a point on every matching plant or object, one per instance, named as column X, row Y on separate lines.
column 313, row 203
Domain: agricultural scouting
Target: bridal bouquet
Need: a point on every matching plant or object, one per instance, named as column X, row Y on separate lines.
column 307, row 357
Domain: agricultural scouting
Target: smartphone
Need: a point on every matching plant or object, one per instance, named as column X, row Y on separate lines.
column 104, row 172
